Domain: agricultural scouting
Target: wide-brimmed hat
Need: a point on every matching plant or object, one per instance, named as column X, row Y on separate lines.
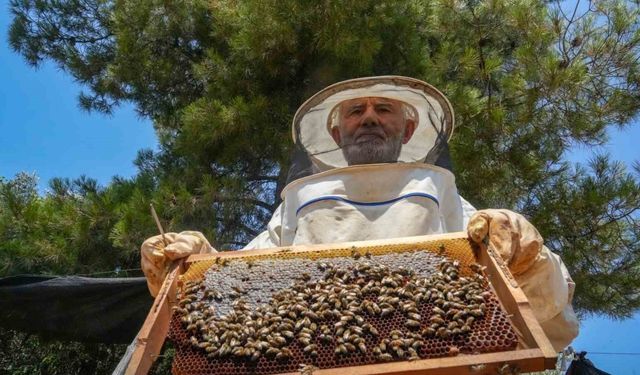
column 433, row 115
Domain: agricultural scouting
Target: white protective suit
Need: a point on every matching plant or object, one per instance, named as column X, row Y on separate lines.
column 403, row 199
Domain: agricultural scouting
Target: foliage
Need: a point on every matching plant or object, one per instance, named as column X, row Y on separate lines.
column 590, row 217
column 221, row 80
column 25, row 354
column 66, row 231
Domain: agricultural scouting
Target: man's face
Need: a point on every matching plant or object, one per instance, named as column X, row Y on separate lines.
column 372, row 130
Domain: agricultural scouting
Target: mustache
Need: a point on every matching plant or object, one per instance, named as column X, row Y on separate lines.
column 350, row 142
column 377, row 132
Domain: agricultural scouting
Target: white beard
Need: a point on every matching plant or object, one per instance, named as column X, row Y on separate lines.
column 372, row 151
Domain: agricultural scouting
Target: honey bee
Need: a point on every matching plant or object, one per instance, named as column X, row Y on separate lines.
column 417, row 344
column 413, row 354
column 412, row 324
column 428, row 332
column 387, row 311
column 443, row 333
column 309, row 348
column 475, row 267
column 283, row 354
column 355, row 254
column 383, row 345
column 362, row 347
column 414, row 316
column 307, row 369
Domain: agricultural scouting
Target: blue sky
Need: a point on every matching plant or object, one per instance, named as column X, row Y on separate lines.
column 43, row 131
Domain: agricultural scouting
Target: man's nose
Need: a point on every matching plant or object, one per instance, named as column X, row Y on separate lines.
column 370, row 118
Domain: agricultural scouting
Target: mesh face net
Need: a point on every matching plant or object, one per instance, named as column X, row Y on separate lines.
column 491, row 333
column 431, row 109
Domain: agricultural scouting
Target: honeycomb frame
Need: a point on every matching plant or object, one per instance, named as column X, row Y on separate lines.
column 533, row 352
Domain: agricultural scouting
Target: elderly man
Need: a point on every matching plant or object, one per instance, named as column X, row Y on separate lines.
column 372, row 144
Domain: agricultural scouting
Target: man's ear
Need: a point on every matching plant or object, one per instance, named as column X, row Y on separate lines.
column 410, row 127
column 335, row 133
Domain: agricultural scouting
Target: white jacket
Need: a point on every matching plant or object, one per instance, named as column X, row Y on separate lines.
column 369, row 202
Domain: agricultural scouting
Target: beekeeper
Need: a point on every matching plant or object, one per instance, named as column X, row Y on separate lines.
column 372, row 145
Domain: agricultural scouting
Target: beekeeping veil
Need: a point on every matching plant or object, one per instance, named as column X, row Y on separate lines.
column 316, row 151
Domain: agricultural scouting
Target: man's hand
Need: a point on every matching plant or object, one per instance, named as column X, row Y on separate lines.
column 541, row 274
column 514, row 238
column 156, row 257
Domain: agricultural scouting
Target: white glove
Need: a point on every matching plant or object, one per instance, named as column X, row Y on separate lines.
column 516, row 240
column 156, row 258
column 541, row 274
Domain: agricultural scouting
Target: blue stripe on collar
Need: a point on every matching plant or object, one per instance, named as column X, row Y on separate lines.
column 356, row 203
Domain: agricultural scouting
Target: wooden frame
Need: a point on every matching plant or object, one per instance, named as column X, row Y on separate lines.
column 534, row 352
column 151, row 336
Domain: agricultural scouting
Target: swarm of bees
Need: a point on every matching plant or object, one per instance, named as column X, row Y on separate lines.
column 336, row 310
